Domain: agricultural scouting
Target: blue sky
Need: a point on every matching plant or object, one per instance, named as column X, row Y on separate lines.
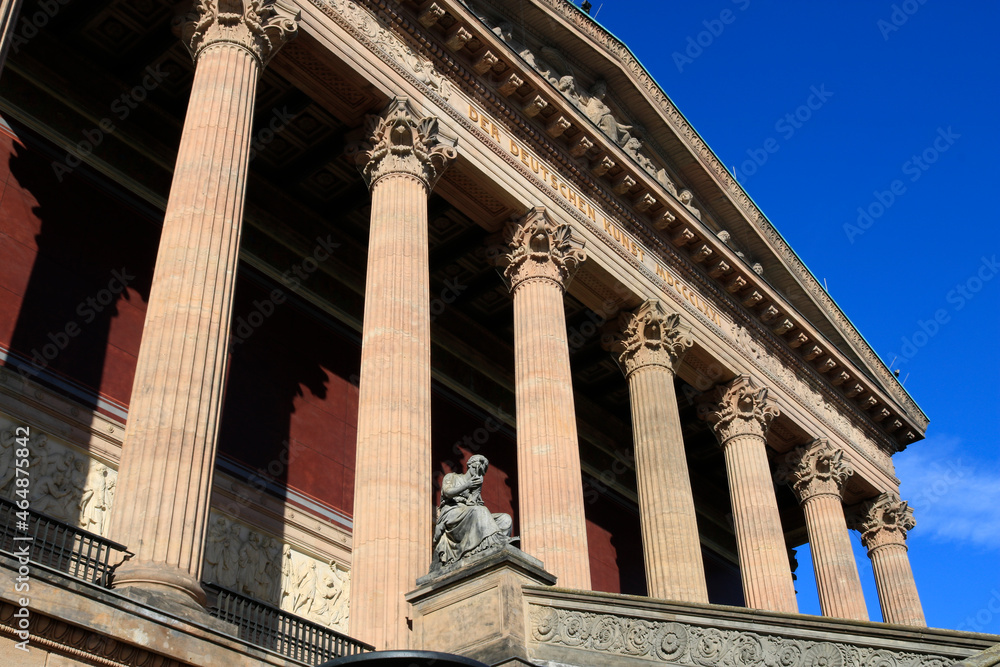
column 902, row 126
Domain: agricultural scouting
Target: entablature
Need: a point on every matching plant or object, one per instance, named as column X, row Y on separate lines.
column 650, row 200
column 483, row 68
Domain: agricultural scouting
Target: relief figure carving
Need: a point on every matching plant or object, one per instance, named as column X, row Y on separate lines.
column 67, row 485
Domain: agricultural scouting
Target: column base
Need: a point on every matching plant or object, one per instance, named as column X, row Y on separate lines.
column 167, row 589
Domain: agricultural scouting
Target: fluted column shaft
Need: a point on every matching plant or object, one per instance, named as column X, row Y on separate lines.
column 9, row 12
column 169, row 452
column 836, row 572
column 897, row 590
column 741, row 418
column 393, row 498
column 550, row 489
column 393, row 495
column 168, row 456
column 767, row 579
column 648, row 345
column 884, row 523
column 817, row 473
column 672, row 550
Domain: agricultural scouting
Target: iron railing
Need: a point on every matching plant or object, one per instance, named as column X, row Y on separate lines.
column 269, row 627
column 89, row 557
column 53, row 543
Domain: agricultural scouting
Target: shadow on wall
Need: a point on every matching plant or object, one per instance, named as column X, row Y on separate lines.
column 78, row 262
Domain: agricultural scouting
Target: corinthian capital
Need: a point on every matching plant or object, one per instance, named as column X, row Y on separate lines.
column 815, row 469
column 541, row 249
column 400, row 142
column 742, row 409
column 884, row 520
column 649, row 336
column 261, row 27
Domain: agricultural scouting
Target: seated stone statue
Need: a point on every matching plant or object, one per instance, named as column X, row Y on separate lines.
column 465, row 526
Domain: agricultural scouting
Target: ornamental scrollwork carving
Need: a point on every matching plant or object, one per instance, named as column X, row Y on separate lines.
column 649, row 336
column 686, row 644
column 374, row 33
column 401, row 142
column 742, row 408
column 540, row 248
column 261, row 27
column 815, row 469
column 883, row 520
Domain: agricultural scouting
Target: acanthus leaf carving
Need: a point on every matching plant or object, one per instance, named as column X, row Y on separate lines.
column 261, row 27
column 742, row 408
column 399, row 141
column 815, row 469
column 649, row 336
column 540, row 248
column 618, row 51
column 883, row 520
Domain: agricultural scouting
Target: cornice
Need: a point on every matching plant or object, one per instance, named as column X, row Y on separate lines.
column 363, row 24
column 676, row 121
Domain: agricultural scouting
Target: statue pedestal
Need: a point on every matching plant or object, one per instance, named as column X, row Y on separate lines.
column 476, row 609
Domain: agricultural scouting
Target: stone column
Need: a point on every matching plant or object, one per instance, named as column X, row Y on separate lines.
column 9, row 12
column 883, row 523
column 648, row 347
column 740, row 420
column 393, row 496
column 542, row 256
column 817, row 473
column 165, row 476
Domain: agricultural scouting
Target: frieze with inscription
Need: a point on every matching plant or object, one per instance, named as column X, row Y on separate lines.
column 792, row 382
column 362, row 23
column 735, row 192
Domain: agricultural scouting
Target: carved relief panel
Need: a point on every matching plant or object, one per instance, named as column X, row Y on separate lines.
column 248, row 561
column 65, row 483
